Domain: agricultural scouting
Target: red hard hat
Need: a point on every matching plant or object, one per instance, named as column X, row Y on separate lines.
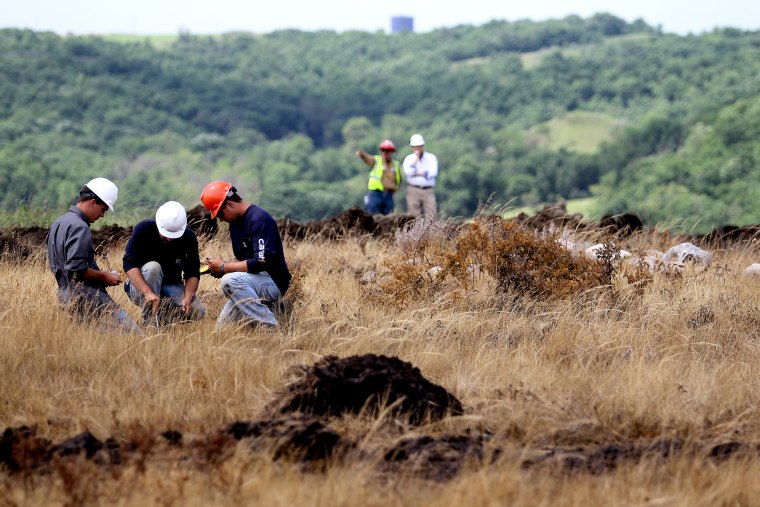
column 388, row 145
column 214, row 194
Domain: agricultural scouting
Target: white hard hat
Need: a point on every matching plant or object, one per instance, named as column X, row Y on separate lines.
column 171, row 220
column 105, row 190
column 416, row 140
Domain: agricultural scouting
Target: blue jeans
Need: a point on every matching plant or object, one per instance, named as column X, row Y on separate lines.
column 246, row 292
column 94, row 305
column 171, row 296
column 379, row 202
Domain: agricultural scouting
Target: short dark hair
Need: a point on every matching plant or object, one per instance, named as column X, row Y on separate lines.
column 86, row 194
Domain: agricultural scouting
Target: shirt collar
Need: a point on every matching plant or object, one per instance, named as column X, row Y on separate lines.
column 81, row 214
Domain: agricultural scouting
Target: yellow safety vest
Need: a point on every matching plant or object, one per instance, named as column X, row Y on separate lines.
column 376, row 174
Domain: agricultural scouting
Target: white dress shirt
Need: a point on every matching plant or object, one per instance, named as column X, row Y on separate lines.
column 428, row 163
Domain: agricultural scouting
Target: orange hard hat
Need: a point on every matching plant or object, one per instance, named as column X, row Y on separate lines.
column 214, row 194
column 388, row 145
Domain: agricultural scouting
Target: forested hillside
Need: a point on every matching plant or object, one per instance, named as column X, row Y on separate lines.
column 509, row 108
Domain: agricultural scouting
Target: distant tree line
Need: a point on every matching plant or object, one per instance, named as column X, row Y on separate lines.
column 282, row 114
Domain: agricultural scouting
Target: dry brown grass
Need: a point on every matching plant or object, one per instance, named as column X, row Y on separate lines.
column 675, row 359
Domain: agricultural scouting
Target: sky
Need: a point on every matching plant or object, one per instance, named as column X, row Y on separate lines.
column 160, row 17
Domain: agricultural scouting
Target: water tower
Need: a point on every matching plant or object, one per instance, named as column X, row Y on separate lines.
column 402, row 24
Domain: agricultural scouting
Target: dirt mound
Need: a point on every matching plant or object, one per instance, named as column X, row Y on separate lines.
column 21, row 242
column 13, row 248
column 729, row 234
column 110, row 236
column 433, row 458
column 200, row 221
column 300, row 439
column 624, row 224
column 556, row 215
column 334, row 386
column 349, row 223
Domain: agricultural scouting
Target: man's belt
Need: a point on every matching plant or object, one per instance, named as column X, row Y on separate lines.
column 420, row 187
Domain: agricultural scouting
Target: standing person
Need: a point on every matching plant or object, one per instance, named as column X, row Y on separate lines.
column 158, row 253
column 258, row 276
column 384, row 178
column 421, row 170
column 71, row 257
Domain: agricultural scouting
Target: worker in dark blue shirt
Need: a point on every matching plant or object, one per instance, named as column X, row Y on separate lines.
column 258, row 276
column 158, row 253
column 71, row 256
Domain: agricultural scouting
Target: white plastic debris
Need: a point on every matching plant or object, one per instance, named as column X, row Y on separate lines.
column 594, row 251
column 687, row 252
column 650, row 261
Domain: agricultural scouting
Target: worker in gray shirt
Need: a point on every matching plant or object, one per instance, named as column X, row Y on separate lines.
column 71, row 256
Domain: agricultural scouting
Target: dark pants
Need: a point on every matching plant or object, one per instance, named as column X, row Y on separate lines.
column 94, row 304
column 379, row 202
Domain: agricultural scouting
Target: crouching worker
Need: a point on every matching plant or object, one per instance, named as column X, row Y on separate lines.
column 158, row 253
column 71, row 256
column 258, row 276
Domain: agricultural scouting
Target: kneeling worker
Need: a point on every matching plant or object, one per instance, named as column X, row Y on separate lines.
column 258, row 276
column 71, row 256
column 158, row 253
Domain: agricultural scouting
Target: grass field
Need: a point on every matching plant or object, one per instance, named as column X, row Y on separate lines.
column 533, row 59
column 579, row 131
column 643, row 392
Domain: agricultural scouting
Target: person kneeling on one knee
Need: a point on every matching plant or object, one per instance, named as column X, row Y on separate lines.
column 158, row 254
column 258, row 276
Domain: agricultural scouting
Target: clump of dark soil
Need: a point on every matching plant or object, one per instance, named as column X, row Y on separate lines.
column 623, row 224
column 306, row 441
column 552, row 215
column 22, row 450
column 434, row 458
column 173, row 437
column 349, row 223
column 726, row 235
column 605, row 457
column 335, row 386
column 299, row 439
